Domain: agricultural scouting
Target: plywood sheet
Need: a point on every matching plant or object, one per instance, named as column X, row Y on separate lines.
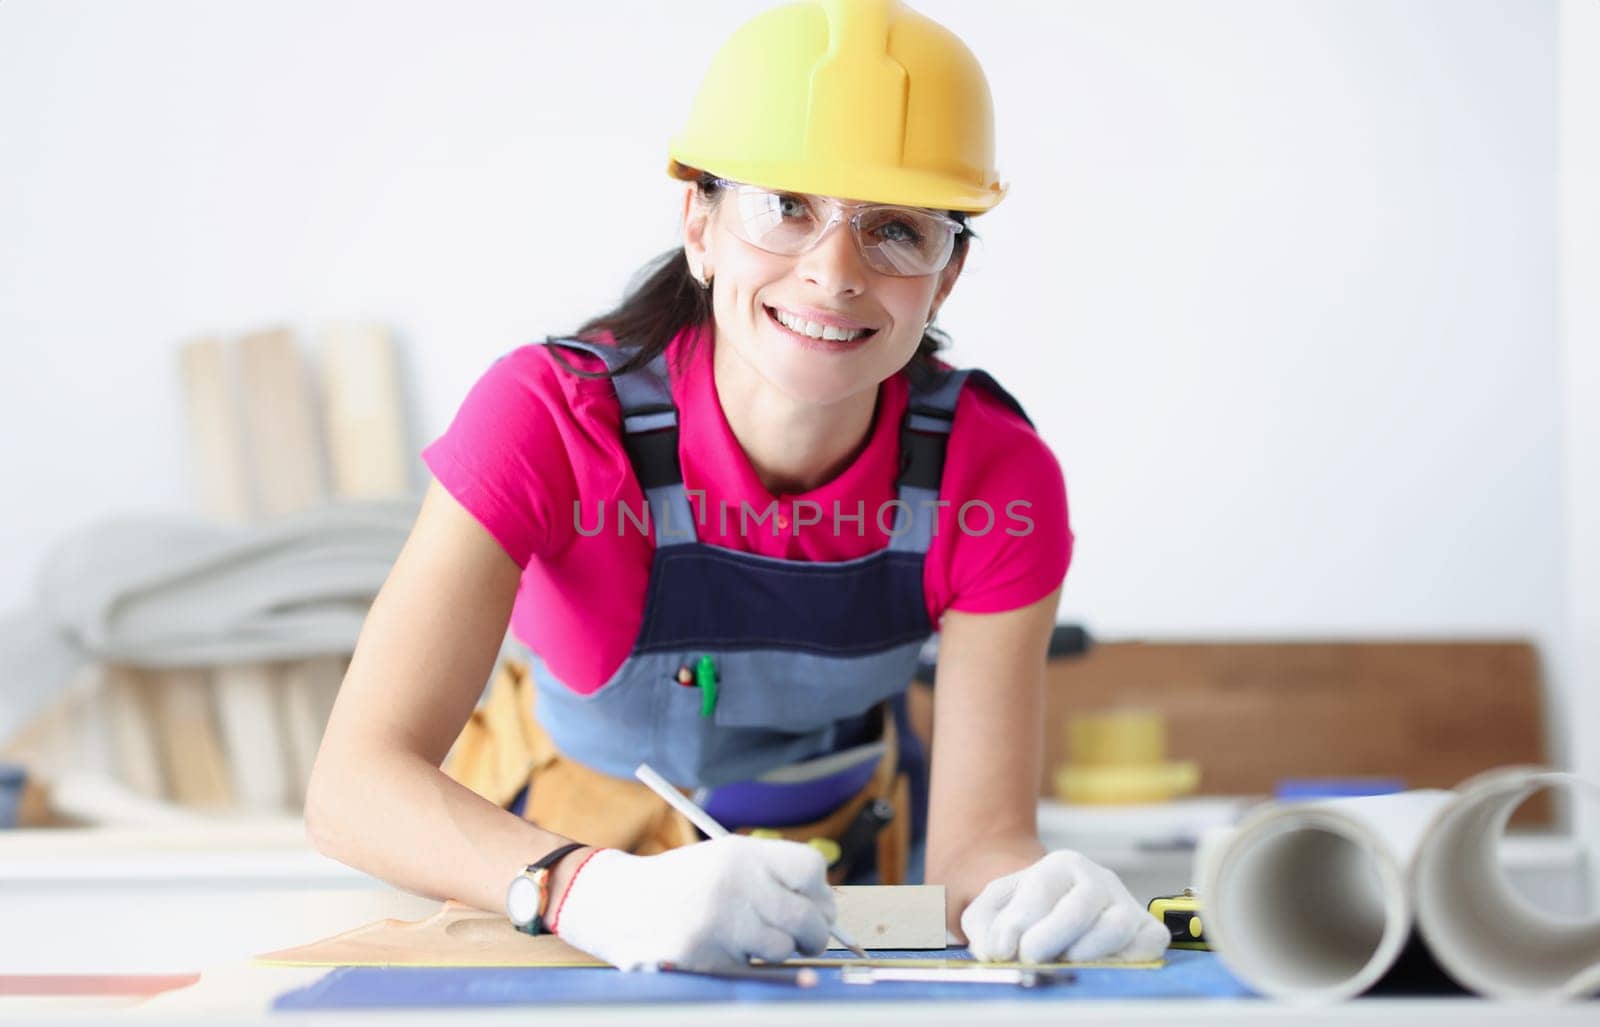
column 457, row 935
column 462, row 936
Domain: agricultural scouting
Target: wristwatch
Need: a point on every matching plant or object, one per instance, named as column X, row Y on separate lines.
column 528, row 898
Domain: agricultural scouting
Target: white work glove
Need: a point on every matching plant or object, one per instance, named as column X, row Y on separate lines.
column 1064, row 908
column 705, row 906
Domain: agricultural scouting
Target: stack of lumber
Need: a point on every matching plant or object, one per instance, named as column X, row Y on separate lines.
column 270, row 435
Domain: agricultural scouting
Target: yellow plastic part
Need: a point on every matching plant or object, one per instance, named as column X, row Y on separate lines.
column 1187, row 903
column 858, row 99
column 1119, row 756
column 827, row 846
column 1117, row 786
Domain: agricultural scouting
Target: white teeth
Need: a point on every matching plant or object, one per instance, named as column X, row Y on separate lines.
column 813, row 329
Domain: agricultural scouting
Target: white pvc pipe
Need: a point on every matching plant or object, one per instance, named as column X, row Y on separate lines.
column 1482, row 932
column 1314, row 901
column 1309, row 901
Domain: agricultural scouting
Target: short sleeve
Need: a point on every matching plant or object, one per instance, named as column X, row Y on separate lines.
column 503, row 457
column 1013, row 537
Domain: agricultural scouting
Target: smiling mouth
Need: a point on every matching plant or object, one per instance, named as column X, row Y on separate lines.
column 866, row 334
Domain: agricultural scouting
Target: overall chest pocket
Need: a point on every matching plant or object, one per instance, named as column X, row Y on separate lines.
column 797, row 693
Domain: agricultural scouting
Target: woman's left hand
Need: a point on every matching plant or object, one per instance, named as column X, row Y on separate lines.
column 1065, row 907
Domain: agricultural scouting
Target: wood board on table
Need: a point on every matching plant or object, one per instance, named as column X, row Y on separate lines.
column 461, row 936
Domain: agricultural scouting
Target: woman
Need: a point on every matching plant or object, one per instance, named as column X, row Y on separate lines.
column 722, row 521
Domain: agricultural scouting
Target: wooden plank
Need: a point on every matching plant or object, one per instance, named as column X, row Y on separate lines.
column 288, row 471
column 265, row 407
column 223, row 490
column 130, row 724
column 186, row 734
column 218, row 448
column 216, row 435
column 1431, row 713
column 247, row 713
column 368, row 452
column 283, row 448
column 308, row 689
column 368, row 455
column 460, row 935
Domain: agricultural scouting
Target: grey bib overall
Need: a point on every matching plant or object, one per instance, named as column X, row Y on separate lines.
column 785, row 660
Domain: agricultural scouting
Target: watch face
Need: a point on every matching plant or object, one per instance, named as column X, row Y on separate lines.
column 522, row 901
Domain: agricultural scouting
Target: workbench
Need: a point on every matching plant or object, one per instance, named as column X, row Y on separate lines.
column 135, row 903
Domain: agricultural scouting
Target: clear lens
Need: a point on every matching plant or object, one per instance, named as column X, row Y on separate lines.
column 779, row 222
column 905, row 242
column 892, row 240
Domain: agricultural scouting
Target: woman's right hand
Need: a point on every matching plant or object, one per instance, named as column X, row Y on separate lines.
column 705, row 906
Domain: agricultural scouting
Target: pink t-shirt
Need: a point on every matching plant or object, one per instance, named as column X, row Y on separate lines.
column 531, row 440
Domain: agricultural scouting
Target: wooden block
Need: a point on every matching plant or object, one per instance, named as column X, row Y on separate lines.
column 899, row 916
column 186, row 729
column 368, row 451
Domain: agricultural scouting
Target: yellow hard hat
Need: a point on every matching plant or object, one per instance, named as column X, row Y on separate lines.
column 859, row 99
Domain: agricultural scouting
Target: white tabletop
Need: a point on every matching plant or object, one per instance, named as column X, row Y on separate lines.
column 129, row 902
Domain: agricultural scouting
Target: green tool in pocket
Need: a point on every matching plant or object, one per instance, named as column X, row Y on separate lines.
column 705, row 676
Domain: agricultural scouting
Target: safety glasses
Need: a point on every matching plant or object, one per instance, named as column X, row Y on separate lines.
column 905, row 241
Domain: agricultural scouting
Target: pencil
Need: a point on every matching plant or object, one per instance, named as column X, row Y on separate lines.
column 798, row 976
column 710, row 828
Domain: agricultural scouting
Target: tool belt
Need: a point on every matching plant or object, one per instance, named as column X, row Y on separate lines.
column 503, row 750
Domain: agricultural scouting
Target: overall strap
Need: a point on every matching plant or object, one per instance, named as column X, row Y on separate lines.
column 924, row 438
column 650, row 436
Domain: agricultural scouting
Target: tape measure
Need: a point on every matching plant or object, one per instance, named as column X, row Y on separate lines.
column 1181, row 915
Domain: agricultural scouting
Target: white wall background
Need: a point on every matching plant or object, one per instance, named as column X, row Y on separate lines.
column 1278, row 280
column 1580, row 330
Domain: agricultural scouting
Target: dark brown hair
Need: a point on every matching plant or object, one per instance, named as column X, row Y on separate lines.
column 663, row 298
